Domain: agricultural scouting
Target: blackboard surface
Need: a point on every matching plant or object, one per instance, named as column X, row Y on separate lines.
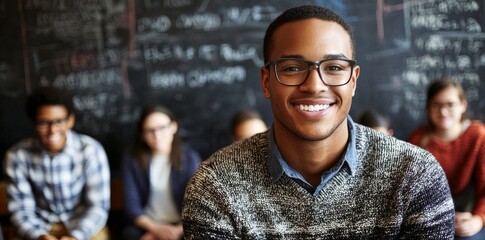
column 201, row 58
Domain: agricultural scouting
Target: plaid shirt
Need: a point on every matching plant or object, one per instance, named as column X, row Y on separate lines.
column 71, row 187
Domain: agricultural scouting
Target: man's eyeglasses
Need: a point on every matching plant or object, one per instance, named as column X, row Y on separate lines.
column 45, row 125
column 295, row 71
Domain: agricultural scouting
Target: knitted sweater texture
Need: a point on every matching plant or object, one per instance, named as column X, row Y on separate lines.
column 398, row 191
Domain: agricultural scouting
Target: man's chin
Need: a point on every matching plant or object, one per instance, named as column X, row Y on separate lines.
column 53, row 145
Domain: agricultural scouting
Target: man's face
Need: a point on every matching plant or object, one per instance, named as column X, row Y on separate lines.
column 51, row 125
column 311, row 111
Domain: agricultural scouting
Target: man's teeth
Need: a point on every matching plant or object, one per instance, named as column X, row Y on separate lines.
column 313, row 108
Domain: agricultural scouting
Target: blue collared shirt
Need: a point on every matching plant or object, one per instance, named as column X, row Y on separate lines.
column 278, row 166
column 72, row 186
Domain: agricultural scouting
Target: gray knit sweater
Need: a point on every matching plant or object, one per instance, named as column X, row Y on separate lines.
column 398, row 191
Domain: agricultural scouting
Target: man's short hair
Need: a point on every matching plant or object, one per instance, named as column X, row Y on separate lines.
column 43, row 96
column 301, row 13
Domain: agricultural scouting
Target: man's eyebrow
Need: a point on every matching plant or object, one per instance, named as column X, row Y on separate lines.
column 335, row 56
column 292, row 56
column 326, row 57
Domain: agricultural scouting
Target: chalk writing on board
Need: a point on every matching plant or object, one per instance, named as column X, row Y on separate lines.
column 446, row 46
column 94, row 79
column 202, row 21
column 207, row 20
column 248, row 16
column 204, row 52
column 197, row 78
column 154, row 24
column 202, row 57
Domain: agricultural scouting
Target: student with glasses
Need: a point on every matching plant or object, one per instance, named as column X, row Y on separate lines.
column 155, row 173
column 316, row 174
column 459, row 146
column 59, row 181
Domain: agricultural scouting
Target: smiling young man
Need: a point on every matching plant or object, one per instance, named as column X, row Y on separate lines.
column 59, row 181
column 316, row 174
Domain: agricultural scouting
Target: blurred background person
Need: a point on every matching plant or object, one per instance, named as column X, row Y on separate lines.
column 459, row 146
column 59, row 181
column 155, row 174
column 246, row 123
column 376, row 120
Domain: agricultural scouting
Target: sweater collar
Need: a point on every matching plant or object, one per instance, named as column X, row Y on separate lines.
column 277, row 165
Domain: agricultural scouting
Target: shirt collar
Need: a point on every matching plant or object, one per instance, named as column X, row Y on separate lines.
column 72, row 143
column 276, row 168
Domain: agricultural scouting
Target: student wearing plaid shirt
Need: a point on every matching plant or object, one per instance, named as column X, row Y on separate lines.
column 58, row 182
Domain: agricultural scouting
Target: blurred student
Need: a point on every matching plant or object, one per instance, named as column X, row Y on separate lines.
column 58, row 182
column 316, row 174
column 155, row 174
column 376, row 120
column 246, row 123
column 459, row 146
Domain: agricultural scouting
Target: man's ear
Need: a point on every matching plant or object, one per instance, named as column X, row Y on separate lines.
column 355, row 76
column 265, row 78
column 71, row 120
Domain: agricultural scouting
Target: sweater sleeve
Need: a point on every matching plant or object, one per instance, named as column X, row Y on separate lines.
column 479, row 175
column 430, row 206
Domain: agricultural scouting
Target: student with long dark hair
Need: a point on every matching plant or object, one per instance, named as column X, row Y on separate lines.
column 458, row 144
column 155, row 173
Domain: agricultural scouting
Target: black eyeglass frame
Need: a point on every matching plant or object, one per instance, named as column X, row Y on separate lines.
column 44, row 125
column 316, row 65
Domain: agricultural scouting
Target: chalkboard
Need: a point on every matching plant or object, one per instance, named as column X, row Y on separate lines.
column 201, row 58
column 405, row 45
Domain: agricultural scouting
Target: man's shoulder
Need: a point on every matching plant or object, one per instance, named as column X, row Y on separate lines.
column 81, row 144
column 383, row 158
column 26, row 144
column 82, row 140
column 240, row 157
column 380, row 147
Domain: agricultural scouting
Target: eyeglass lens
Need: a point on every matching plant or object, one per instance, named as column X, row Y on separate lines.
column 45, row 124
column 334, row 72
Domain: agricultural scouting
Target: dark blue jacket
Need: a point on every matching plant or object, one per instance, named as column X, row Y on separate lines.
column 136, row 183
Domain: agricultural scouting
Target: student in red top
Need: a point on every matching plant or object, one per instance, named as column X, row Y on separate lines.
column 459, row 146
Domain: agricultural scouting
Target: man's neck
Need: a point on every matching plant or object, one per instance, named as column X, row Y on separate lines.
column 312, row 158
